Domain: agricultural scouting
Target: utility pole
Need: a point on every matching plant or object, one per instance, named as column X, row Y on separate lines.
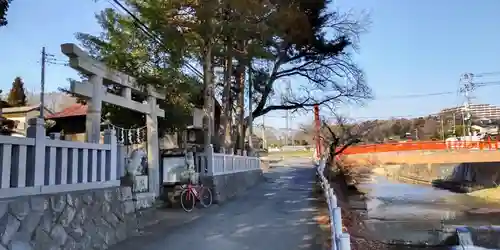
column 287, row 129
column 250, row 116
column 286, row 120
column 442, row 127
column 42, row 84
column 318, row 131
column 264, row 142
column 454, row 124
column 288, row 93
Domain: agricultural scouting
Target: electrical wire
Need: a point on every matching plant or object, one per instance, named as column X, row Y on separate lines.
column 416, row 95
column 487, row 74
column 144, row 28
column 484, row 84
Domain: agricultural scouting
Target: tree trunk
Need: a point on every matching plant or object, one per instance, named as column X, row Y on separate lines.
column 208, row 122
column 240, row 82
column 226, row 121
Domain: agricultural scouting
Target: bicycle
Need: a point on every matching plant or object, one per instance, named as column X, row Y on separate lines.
column 192, row 192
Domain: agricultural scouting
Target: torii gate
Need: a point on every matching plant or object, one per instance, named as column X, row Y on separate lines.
column 97, row 93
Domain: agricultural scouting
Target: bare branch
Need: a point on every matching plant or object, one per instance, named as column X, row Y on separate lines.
column 343, row 134
column 325, row 63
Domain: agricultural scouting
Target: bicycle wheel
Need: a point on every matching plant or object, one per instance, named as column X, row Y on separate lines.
column 187, row 200
column 205, row 197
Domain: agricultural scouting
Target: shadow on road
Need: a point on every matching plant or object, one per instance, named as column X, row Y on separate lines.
column 276, row 215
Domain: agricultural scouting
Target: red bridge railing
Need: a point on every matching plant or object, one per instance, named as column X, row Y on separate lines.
column 422, row 145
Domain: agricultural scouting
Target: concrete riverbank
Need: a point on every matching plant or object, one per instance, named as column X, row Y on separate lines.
column 413, row 216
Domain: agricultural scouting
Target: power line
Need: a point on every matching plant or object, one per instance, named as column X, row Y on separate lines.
column 390, row 116
column 484, row 84
column 417, row 95
column 483, row 74
column 144, row 28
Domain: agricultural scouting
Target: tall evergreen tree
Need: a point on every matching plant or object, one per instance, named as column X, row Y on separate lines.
column 4, row 7
column 17, row 95
column 234, row 36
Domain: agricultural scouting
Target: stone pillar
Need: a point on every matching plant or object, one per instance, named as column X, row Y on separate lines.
column 224, row 160
column 112, row 161
column 153, row 148
column 209, row 152
column 94, row 105
column 36, row 130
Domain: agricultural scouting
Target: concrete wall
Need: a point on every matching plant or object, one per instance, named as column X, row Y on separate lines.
column 90, row 219
column 228, row 186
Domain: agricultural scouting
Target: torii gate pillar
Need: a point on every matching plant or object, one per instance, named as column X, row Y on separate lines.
column 97, row 93
column 153, row 147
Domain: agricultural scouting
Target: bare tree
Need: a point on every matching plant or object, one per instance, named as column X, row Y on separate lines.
column 338, row 134
column 341, row 134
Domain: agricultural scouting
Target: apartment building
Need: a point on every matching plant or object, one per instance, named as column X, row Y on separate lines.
column 478, row 111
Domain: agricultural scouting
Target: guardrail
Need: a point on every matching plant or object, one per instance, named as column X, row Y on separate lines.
column 340, row 240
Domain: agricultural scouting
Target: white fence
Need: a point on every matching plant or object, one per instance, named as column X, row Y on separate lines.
column 214, row 164
column 37, row 164
column 340, row 240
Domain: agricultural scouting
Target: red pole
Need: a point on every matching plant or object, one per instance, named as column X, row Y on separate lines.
column 318, row 131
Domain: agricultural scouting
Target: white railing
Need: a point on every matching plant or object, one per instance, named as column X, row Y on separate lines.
column 227, row 164
column 214, row 164
column 37, row 164
column 340, row 240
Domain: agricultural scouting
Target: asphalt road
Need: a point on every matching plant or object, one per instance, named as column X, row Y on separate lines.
column 275, row 215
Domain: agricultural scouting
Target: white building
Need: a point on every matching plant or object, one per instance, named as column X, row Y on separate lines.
column 479, row 111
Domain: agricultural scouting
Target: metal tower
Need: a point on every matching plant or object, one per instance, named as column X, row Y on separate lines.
column 467, row 88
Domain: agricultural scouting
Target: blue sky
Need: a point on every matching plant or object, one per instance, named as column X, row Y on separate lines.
column 412, row 47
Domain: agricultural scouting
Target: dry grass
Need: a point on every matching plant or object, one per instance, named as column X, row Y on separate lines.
column 417, row 157
column 489, row 194
column 351, row 221
column 298, row 153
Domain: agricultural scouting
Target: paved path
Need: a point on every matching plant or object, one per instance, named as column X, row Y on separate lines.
column 276, row 215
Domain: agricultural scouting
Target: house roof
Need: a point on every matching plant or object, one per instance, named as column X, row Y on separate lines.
column 81, row 110
column 23, row 109
column 71, row 111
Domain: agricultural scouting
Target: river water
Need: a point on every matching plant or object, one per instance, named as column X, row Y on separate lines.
column 415, row 214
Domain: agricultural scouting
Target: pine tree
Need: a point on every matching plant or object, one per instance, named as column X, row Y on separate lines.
column 17, row 96
column 4, row 6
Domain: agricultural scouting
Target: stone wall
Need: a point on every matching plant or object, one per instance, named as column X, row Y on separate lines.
column 227, row 186
column 90, row 219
